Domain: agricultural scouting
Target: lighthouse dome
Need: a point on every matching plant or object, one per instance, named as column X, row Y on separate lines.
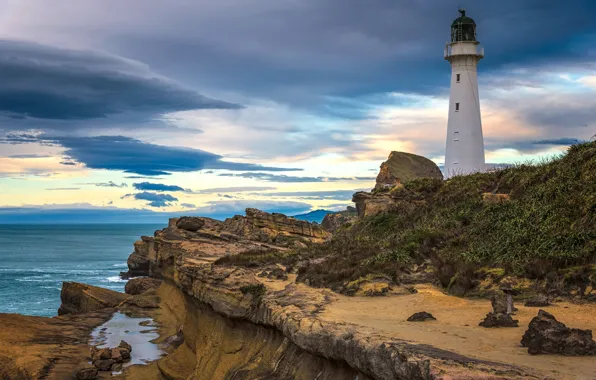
column 463, row 29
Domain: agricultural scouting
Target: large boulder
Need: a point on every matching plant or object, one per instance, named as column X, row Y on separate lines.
column 141, row 285
column 82, row 298
column 493, row 320
column 401, row 167
column 546, row 335
column 190, row 223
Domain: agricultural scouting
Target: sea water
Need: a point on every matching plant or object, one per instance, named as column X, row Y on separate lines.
column 35, row 259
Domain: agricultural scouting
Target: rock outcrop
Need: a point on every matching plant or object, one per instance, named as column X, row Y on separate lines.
column 333, row 222
column 422, row 316
column 398, row 169
column 141, row 285
column 493, row 320
column 82, row 298
column 546, row 335
column 401, row 167
column 231, row 316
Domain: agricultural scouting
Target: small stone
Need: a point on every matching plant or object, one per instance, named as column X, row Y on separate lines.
column 146, row 323
column 101, row 354
column 124, row 353
column 499, row 320
column 87, row 373
column 103, row 365
column 421, row 317
column 538, row 301
column 125, row 345
column 117, row 367
column 116, row 356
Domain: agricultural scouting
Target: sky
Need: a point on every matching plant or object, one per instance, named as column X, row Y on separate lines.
column 136, row 109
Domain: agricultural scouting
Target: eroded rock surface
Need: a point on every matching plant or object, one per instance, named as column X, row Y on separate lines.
column 401, row 167
column 546, row 335
column 141, row 285
column 83, row 298
column 493, row 320
column 421, row 317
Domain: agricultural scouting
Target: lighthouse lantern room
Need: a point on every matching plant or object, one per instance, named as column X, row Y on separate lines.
column 465, row 144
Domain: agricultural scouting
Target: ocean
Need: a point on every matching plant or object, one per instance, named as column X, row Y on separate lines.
column 35, row 259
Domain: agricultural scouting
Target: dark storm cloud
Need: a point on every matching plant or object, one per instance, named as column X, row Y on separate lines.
column 156, row 187
column 134, row 156
column 288, row 178
column 43, row 82
column 300, row 51
column 153, row 199
column 532, row 146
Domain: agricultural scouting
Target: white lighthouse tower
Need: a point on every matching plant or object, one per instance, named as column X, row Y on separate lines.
column 465, row 144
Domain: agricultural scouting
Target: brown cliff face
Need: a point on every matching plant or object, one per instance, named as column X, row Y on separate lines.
column 81, row 298
column 242, row 325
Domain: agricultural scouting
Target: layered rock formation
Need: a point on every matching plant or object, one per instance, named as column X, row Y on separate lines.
column 81, row 298
column 398, row 169
column 401, row 167
column 239, row 321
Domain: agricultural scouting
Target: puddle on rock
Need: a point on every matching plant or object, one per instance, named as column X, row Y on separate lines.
column 129, row 329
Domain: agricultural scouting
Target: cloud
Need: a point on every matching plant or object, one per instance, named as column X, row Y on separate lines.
column 294, row 179
column 188, row 205
column 86, row 213
column 134, row 156
column 25, row 156
column 235, row 189
column 156, row 187
column 108, row 184
column 44, row 82
column 63, row 188
column 154, row 199
column 318, row 195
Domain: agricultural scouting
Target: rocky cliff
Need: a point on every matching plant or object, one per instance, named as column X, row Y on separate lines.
column 252, row 320
column 399, row 168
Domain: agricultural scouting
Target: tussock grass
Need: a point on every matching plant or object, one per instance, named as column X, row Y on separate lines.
column 548, row 224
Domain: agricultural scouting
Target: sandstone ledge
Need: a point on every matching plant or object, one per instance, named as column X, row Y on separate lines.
column 237, row 293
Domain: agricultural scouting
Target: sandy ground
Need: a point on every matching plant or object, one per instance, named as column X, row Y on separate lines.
column 457, row 330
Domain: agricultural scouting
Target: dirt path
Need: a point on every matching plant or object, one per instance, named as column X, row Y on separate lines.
column 457, row 330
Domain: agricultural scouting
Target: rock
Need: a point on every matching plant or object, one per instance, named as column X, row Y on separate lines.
column 103, row 365
column 422, row 317
column 490, row 198
column 100, row 354
column 499, row 304
column 116, row 356
column 368, row 204
column 87, row 373
column 546, row 335
column 333, row 222
column 125, row 354
column 278, row 274
column 82, row 298
column 401, row 167
column 538, row 301
column 144, row 301
column 174, row 341
column 141, row 285
column 125, row 345
column 499, row 320
column 190, row 223
column 117, row 367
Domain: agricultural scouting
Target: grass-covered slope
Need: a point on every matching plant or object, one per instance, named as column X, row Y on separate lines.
column 549, row 224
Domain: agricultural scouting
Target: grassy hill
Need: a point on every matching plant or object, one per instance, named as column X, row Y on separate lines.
column 547, row 230
column 446, row 232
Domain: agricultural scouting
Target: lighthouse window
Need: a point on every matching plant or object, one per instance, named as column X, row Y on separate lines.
column 456, row 136
column 457, row 77
column 456, row 107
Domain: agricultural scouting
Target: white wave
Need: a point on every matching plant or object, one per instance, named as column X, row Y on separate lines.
column 122, row 265
column 113, row 279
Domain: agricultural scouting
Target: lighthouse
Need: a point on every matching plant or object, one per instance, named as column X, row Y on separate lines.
column 464, row 153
